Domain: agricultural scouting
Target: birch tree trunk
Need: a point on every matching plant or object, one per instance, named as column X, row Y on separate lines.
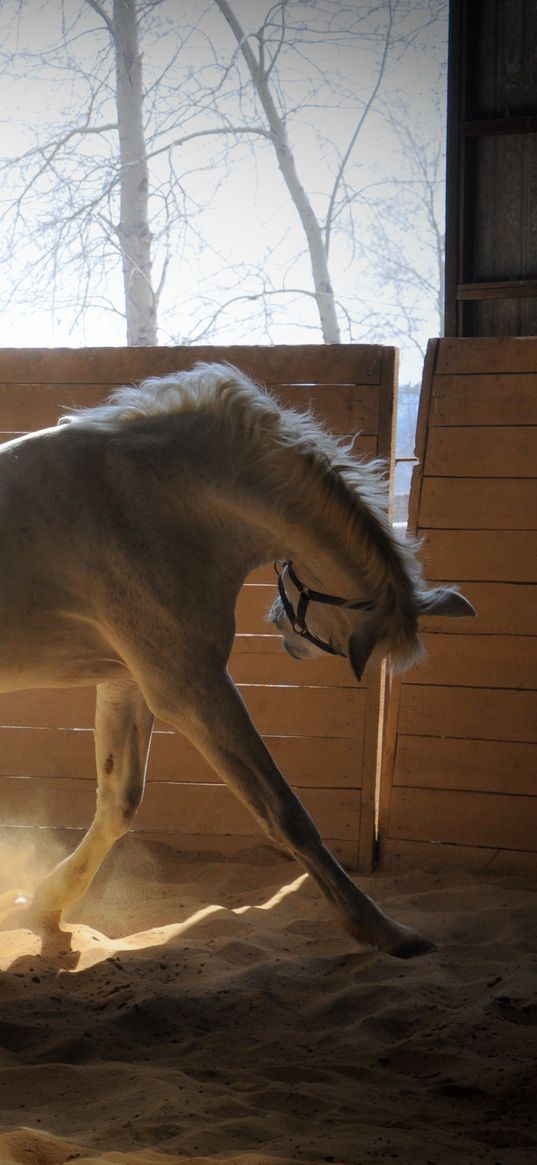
column 133, row 230
column 324, row 293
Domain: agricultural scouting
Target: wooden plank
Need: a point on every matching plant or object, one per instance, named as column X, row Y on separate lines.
column 49, row 708
column 177, row 808
column 475, row 819
column 496, row 354
column 40, row 801
column 279, row 364
column 477, row 713
column 422, row 431
column 462, row 758
column 309, row 762
column 261, row 659
column 485, row 661
column 484, row 399
column 376, row 696
column 345, row 409
column 486, row 451
column 487, row 766
column 400, row 855
column 388, row 393
column 25, row 407
column 188, row 809
column 60, row 753
column 305, row 761
column 306, row 712
column 52, row 752
column 497, row 288
column 253, row 605
column 479, row 555
column 502, row 608
column 467, row 503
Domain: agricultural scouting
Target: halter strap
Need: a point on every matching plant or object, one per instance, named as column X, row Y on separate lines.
column 306, row 596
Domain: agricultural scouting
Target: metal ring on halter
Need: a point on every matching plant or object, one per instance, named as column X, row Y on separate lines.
column 306, row 595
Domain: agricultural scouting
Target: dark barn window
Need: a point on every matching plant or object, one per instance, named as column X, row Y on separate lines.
column 491, row 264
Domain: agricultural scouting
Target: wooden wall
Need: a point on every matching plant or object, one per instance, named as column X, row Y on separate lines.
column 491, row 233
column 320, row 725
column 460, row 774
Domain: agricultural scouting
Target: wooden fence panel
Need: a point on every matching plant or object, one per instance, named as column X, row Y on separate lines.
column 319, row 724
column 461, row 743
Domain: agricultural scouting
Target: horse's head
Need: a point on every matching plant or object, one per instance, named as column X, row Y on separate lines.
column 313, row 623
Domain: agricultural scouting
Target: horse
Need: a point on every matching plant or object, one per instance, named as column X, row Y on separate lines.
column 128, row 530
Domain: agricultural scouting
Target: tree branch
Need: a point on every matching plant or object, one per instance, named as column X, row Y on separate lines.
column 286, row 162
column 103, row 15
column 366, row 110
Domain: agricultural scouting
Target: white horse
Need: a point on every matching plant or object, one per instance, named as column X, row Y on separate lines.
column 126, row 534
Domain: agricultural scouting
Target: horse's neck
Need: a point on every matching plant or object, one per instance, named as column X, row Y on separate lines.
column 269, row 507
column 296, row 530
column 320, row 568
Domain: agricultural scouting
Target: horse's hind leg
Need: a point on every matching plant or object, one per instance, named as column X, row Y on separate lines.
column 123, row 725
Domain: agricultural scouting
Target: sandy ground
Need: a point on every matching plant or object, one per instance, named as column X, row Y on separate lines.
column 212, row 1011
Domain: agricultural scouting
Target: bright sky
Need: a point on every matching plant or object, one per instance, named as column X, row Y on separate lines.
column 239, row 211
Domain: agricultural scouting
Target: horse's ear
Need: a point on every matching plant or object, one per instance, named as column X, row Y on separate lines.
column 444, row 601
column 359, row 649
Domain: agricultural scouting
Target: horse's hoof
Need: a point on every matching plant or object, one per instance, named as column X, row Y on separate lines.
column 403, row 942
column 391, row 938
column 412, row 946
column 45, row 922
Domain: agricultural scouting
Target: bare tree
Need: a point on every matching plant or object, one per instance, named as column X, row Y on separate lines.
column 411, row 266
column 83, row 196
column 133, row 228
column 260, row 66
column 133, row 175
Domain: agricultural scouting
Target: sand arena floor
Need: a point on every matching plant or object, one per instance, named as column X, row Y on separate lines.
column 213, row 1011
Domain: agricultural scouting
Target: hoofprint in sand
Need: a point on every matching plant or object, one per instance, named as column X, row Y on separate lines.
column 211, row 1011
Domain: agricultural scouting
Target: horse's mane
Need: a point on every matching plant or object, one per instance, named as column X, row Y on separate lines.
column 249, row 412
column 256, row 422
column 260, row 427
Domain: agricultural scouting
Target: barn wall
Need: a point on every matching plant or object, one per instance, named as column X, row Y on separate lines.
column 320, row 725
column 491, row 238
column 461, row 753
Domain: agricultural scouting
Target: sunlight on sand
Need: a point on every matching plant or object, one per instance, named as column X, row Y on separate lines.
column 26, row 1145
column 82, row 946
column 278, row 897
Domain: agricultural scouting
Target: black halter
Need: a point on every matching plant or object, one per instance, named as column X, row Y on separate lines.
column 306, row 595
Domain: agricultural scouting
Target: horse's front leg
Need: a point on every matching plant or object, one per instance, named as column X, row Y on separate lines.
column 123, row 725
column 220, row 726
